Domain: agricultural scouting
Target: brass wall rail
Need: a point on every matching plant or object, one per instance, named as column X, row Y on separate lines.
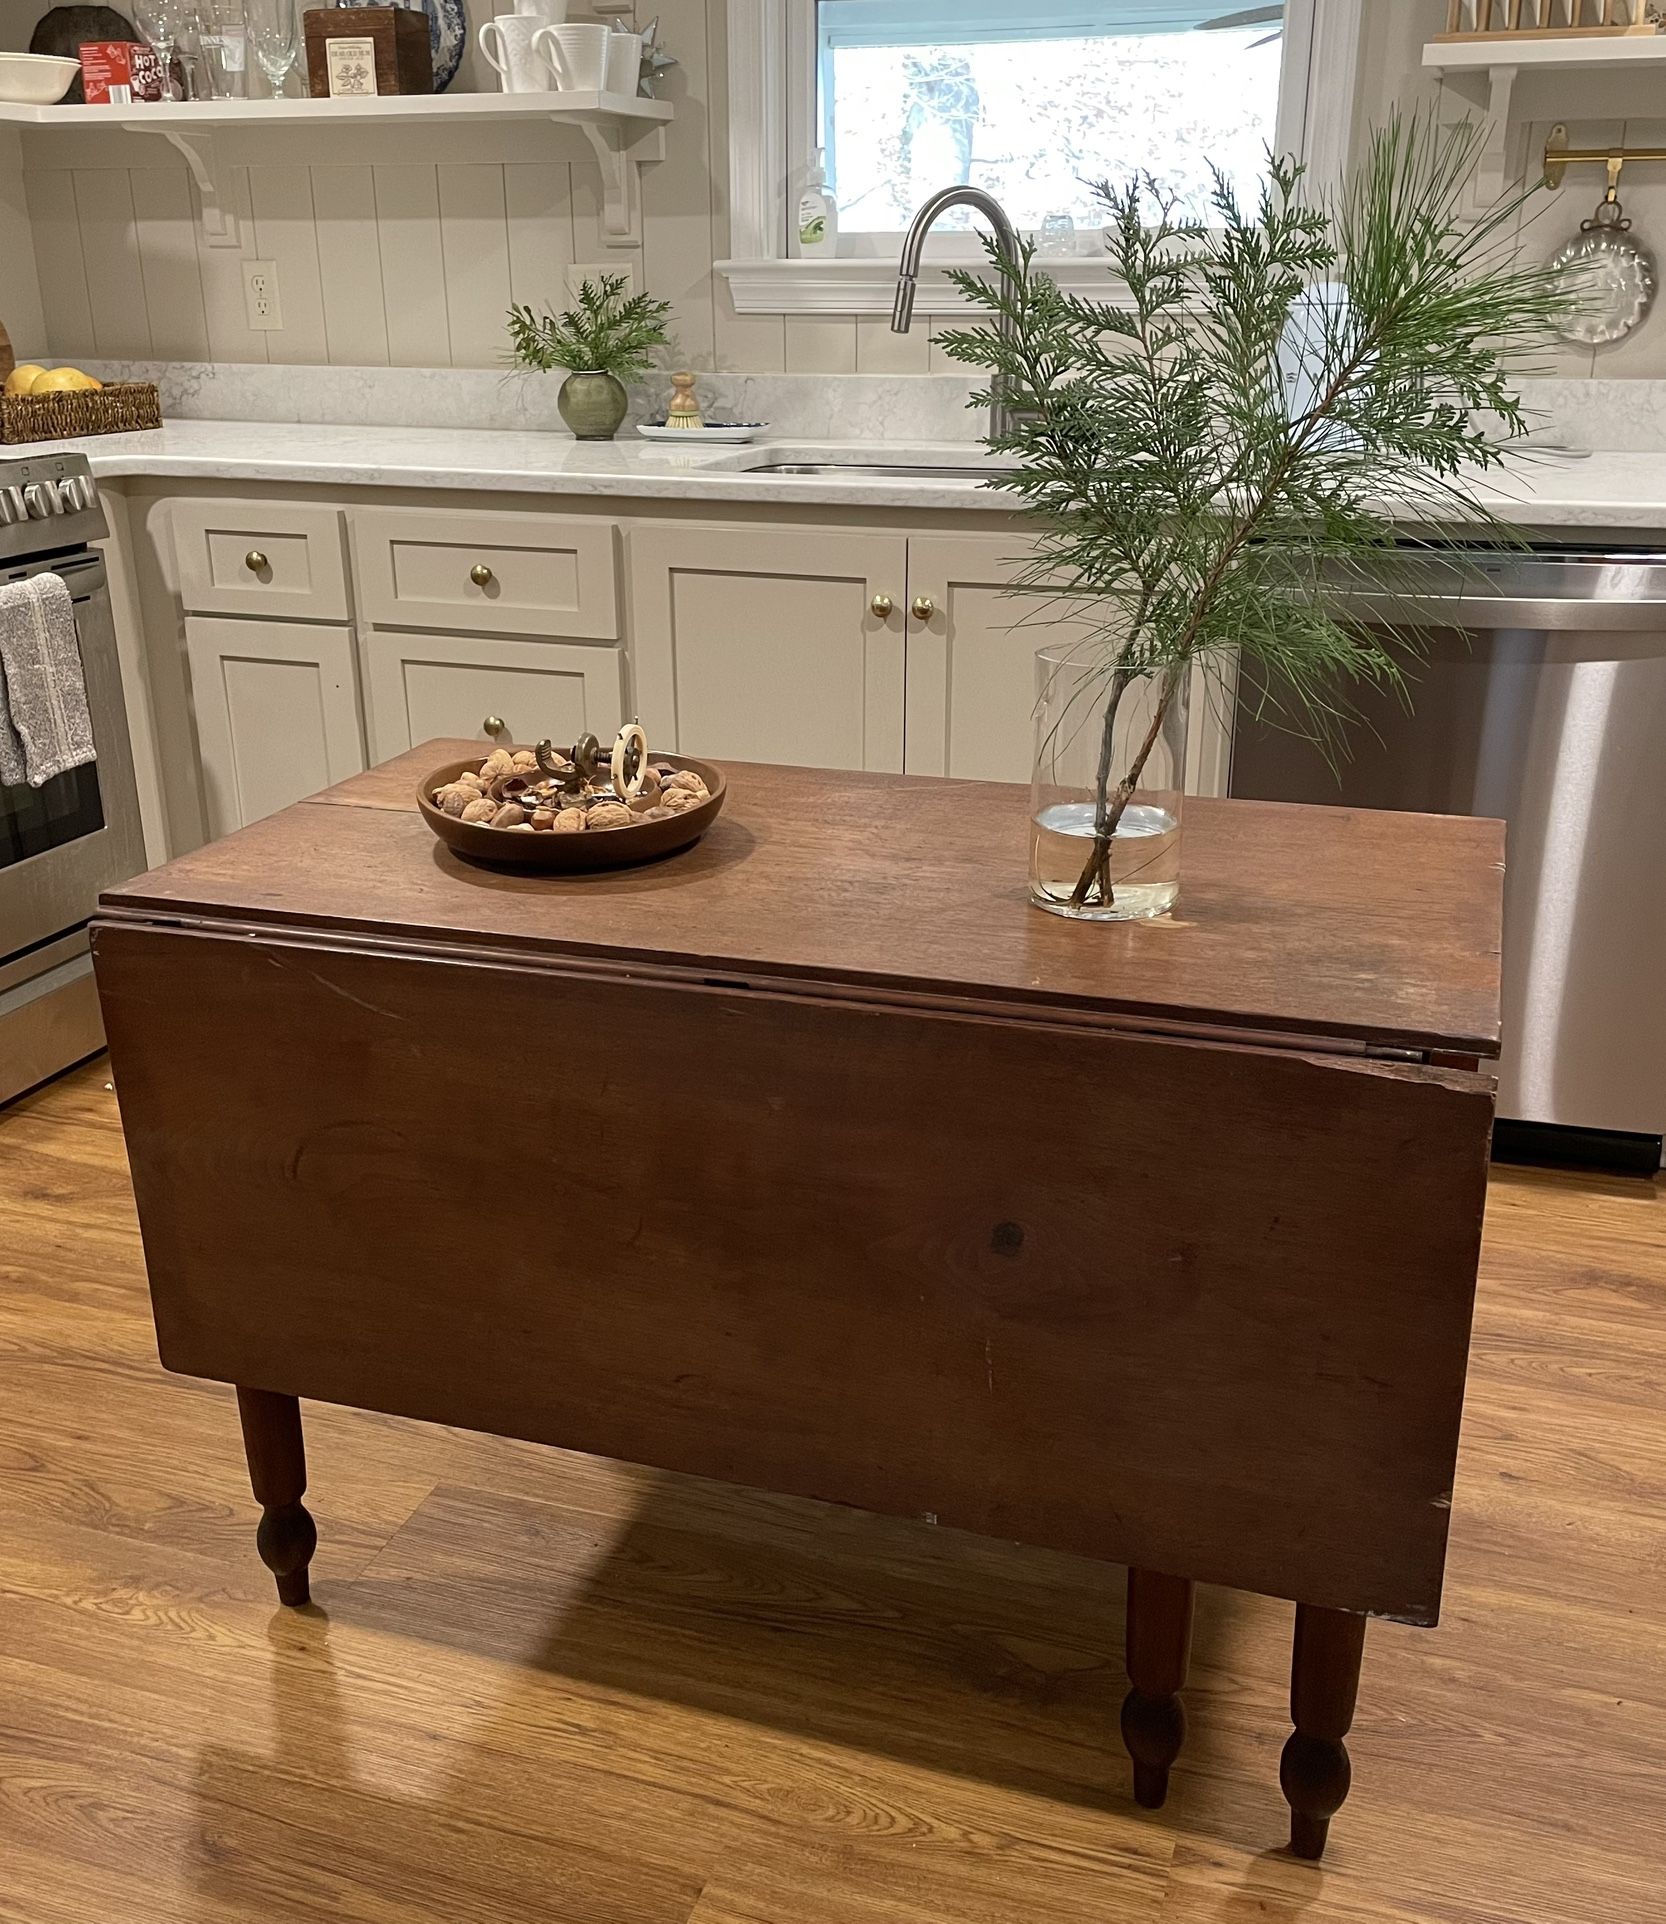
column 1559, row 157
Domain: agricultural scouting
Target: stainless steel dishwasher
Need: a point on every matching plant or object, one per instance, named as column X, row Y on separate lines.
column 1543, row 700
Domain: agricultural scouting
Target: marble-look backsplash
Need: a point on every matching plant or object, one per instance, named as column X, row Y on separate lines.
column 1619, row 416
column 853, row 407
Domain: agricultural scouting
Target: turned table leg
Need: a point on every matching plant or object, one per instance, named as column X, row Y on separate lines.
column 1159, row 1644
column 1324, row 1681
column 278, row 1472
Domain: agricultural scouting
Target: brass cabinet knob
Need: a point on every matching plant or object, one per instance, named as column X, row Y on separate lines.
column 924, row 607
column 495, row 725
column 255, row 562
column 480, row 575
column 882, row 606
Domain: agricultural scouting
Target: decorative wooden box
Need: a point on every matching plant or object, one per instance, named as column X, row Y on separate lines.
column 355, row 52
column 118, row 408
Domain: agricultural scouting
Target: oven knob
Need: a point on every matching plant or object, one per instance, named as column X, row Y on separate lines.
column 11, row 504
column 40, row 501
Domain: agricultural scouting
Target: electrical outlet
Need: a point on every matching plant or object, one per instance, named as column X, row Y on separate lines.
column 260, row 295
column 579, row 273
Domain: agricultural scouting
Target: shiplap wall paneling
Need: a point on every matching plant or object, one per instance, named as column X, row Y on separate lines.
column 413, row 265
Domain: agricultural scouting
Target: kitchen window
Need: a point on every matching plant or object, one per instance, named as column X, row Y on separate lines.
column 1033, row 100
column 1036, row 102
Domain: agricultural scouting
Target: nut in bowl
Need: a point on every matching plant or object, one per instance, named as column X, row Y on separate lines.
column 572, row 809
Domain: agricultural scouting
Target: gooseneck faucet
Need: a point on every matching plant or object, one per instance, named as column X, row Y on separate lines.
column 908, row 275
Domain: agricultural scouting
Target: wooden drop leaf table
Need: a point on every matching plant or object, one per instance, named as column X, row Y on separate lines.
column 815, row 1159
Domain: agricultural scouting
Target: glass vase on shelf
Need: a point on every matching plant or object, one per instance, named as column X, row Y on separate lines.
column 1110, row 771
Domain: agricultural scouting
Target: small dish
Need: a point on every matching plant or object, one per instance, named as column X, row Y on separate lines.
column 573, row 854
column 36, row 79
column 735, row 435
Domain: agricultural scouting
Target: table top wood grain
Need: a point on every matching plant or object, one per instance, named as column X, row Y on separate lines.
column 1353, row 926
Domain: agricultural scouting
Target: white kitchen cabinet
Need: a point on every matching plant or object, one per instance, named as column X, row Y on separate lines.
column 421, row 685
column 277, row 713
column 771, row 643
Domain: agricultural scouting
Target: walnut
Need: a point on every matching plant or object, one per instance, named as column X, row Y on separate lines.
column 511, row 815
column 499, row 762
column 524, row 761
column 481, row 810
column 455, row 799
column 660, row 814
column 543, row 818
column 686, row 779
column 570, row 821
column 680, row 800
column 651, row 786
column 608, row 815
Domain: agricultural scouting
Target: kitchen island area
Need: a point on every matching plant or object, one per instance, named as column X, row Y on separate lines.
column 1156, row 1244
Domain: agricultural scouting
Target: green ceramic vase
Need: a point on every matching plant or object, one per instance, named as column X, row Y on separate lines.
column 593, row 405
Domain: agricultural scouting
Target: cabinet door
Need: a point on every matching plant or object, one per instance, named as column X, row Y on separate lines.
column 762, row 643
column 971, row 666
column 420, row 686
column 971, row 662
column 277, row 712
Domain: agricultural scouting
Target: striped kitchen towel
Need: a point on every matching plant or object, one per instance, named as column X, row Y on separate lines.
column 45, row 728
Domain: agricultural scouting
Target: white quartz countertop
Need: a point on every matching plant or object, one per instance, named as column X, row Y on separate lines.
column 530, row 461
column 1616, row 492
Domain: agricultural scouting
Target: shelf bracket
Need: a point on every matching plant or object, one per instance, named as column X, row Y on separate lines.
column 620, row 154
column 219, row 223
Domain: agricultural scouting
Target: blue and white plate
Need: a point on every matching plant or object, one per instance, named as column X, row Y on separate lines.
column 448, row 33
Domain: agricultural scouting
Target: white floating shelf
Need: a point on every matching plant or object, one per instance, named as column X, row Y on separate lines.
column 181, row 115
column 622, row 131
column 1522, row 50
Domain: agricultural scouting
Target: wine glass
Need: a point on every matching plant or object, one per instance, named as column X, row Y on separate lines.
column 272, row 35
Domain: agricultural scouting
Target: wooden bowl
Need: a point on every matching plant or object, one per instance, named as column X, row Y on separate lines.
column 601, row 848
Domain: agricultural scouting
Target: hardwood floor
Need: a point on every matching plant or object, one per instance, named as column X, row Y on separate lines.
column 543, row 1687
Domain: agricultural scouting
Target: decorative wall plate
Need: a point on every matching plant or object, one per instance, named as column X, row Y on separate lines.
column 448, row 34
column 1611, row 278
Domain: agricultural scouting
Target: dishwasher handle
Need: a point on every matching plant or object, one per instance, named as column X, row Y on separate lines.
column 1578, row 592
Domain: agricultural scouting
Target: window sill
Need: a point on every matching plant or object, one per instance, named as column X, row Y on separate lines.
column 869, row 286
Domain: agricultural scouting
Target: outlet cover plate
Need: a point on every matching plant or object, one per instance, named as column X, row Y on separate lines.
column 261, row 300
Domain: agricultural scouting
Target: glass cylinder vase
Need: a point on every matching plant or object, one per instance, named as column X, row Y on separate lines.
column 1110, row 772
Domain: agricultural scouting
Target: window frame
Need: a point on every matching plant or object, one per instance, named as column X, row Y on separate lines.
column 772, row 115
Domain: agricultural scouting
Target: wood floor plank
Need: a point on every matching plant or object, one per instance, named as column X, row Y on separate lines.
column 544, row 1687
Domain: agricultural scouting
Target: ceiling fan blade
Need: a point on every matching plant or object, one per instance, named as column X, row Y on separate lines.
column 1247, row 17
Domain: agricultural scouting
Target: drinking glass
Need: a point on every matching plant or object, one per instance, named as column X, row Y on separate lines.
column 1057, row 237
column 272, row 35
column 225, row 45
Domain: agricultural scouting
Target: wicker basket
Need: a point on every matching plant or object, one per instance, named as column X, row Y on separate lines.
column 116, row 409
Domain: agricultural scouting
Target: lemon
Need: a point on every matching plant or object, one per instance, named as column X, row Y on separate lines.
column 63, row 380
column 22, row 378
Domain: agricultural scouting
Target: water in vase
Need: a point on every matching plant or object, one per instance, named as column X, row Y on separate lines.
column 1145, row 860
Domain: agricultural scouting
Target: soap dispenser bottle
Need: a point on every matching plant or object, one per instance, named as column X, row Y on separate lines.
column 818, row 212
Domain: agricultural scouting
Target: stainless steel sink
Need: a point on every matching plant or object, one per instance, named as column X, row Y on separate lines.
column 935, row 473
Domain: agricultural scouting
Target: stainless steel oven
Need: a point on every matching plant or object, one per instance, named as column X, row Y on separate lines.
column 62, row 843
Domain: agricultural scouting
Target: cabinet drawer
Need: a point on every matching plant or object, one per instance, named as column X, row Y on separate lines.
column 420, row 686
column 525, row 574
column 260, row 558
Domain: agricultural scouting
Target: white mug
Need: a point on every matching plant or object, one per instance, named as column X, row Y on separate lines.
column 624, row 64
column 507, row 41
column 577, row 55
column 550, row 13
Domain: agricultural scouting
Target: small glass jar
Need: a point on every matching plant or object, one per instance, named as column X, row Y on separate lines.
column 1110, row 776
